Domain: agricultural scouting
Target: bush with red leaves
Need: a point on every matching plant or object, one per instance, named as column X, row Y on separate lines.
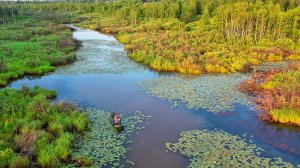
column 285, row 95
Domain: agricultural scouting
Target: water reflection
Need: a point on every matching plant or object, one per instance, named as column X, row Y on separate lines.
column 104, row 77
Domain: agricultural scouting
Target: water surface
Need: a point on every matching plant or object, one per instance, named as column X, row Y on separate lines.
column 103, row 77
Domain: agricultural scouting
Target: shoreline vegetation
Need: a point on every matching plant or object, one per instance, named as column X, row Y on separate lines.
column 194, row 36
column 208, row 42
column 277, row 94
column 35, row 132
column 34, row 44
column 190, row 37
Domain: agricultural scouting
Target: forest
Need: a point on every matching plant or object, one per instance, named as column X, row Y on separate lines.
column 195, row 36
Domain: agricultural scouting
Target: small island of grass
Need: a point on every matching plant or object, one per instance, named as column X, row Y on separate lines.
column 34, row 132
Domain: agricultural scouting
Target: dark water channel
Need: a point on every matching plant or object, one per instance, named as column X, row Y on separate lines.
column 103, row 77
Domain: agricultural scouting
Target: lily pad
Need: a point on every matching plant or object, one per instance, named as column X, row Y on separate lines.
column 220, row 149
column 102, row 54
column 104, row 145
column 215, row 93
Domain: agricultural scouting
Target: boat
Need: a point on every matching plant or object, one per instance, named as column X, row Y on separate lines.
column 117, row 125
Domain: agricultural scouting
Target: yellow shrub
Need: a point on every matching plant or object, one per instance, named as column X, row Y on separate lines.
column 236, row 67
column 294, row 57
column 210, row 68
column 190, row 71
column 286, row 116
column 123, row 38
column 223, row 70
column 195, row 71
column 269, row 85
column 182, row 70
column 253, row 61
column 274, row 58
column 93, row 27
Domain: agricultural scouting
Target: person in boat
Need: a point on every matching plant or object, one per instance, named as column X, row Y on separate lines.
column 117, row 119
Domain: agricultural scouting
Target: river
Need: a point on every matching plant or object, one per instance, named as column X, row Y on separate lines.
column 104, row 77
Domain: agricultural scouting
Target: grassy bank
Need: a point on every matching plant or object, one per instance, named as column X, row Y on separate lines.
column 33, row 45
column 34, row 132
column 208, row 43
column 277, row 94
column 192, row 50
column 194, row 36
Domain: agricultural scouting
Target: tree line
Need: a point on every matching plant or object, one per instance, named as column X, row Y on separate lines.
column 252, row 20
column 7, row 12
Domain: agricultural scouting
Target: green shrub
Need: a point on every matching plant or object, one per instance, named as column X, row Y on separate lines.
column 81, row 122
column 3, row 82
column 3, row 66
column 52, row 154
column 5, row 156
column 285, row 43
column 39, row 105
column 34, row 127
column 64, row 107
column 33, row 63
column 62, row 60
column 47, row 157
column 56, row 127
column 24, row 49
column 42, row 141
column 19, row 162
column 26, row 90
column 62, row 146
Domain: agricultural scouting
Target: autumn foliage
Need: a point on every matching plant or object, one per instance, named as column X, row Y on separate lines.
column 277, row 94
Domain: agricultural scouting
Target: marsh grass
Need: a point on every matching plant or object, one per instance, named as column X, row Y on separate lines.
column 47, row 157
column 19, row 161
column 62, row 60
column 188, row 48
column 3, row 66
column 277, row 94
column 30, row 46
column 286, row 116
column 33, row 131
